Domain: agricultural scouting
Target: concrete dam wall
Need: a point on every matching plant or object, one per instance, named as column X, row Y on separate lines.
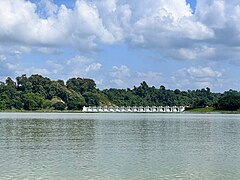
column 134, row 109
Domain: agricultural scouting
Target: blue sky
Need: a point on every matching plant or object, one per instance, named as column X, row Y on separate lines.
column 119, row 43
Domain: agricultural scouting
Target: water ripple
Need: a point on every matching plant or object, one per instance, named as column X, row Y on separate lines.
column 105, row 146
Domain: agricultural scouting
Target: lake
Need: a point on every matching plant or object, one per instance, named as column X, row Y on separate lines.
column 119, row 146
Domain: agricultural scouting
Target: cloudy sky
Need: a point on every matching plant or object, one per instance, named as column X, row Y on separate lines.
column 120, row 43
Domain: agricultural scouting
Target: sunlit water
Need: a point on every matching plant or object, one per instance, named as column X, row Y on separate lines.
column 119, row 146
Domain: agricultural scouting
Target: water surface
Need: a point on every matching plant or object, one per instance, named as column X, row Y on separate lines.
column 119, row 146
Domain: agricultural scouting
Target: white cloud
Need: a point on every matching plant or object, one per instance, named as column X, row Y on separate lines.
column 78, row 66
column 223, row 18
column 116, row 17
column 32, row 70
column 152, row 78
column 81, row 27
column 104, row 20
column 201, row 72
column 7, row 69
column 47, row 50
column 93, row 67
column 209, row 11
column 169, row 27
column 120, row 72
column 119, row 76
column 88, row 23
column 55, row 67
column 78, row 60
column 118, row 82
column 123, row 77
column 198, row 77
column 2, row 58
column 12, row 68
column 47, row 8
column 200, row 52
column 19, row 24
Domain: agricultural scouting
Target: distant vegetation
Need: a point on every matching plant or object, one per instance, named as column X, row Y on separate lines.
column 41, row 93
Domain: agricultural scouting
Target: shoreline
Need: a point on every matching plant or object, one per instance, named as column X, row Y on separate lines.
column 211, row 110
column 191, row 111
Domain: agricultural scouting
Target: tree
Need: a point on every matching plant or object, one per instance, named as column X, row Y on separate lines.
column 177, row 91
column 75, row 101
column 144, row 85
column 81, row 85
column 92, row 99
column 17, row 103
column 162, row 88
column 23, row 84
column 33, row 101
column 40, row 84
column 10, row 82
column 231, row 102
column 200, row 103
column 37, row 92
column 59, row 106
column 61, row 82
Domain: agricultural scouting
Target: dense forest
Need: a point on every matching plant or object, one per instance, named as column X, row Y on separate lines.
column 38, row 93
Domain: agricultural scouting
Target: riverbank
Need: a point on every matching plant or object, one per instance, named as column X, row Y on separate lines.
column 42, row 111
column 196, row 110
column 210, row 110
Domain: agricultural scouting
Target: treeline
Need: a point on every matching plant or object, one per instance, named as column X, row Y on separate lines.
column 37, row 92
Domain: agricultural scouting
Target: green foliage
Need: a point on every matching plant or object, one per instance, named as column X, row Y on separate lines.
column 75, row 101
column 36, row 92
column 202, row 110
column 81, row 85
column 10, row 82
column 40, row 85
column 151, row 96
column 229, row 101
column 47, row 104
column 59, row 106
column 33, row 101
column 92, row 99
column 23, row 84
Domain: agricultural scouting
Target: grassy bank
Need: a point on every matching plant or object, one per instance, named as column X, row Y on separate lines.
column 210, row 110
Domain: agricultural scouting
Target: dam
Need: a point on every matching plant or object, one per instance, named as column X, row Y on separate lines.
column 134, row 109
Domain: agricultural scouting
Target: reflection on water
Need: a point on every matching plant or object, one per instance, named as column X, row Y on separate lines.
column 119, row 146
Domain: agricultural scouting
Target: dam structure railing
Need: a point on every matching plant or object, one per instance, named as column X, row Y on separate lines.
column 134, row 109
